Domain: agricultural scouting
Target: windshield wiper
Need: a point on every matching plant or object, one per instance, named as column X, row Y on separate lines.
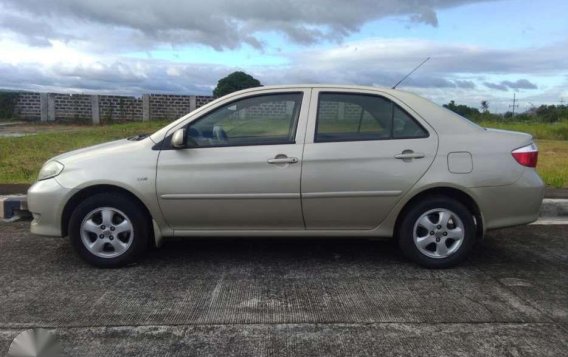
column 138, row 137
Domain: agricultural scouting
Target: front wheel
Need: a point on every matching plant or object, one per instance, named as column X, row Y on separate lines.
column 437, row 233
column 109, row 230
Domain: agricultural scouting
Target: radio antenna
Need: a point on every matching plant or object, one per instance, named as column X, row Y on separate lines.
column 408, row 75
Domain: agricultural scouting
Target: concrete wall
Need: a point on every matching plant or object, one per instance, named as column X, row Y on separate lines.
column 98, row 109
column 120, row 108
column 165, row 106
column 28, row 106
column 75, row 107
column 104, row 108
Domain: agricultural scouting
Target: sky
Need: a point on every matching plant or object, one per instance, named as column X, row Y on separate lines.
column 479, row 49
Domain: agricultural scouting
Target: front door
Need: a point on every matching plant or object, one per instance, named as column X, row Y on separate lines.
column 362, row 153
column 241, row 168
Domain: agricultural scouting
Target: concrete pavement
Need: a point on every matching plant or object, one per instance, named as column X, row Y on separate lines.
column 291, row 297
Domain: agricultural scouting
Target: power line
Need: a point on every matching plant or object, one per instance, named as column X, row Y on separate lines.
column 532, row 105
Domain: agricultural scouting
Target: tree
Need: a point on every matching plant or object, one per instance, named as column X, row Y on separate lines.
column 485, row 106
column 8, row 102
column 235, row 82
column 552, row 113
column 462, row 110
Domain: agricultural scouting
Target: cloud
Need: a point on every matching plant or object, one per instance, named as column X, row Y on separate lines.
column 454, row 72
column 506, row 85
column 30, row 30
column 404, row 54
column 220, row 24
column 520, row 84
column 496, row 86
column 133, row 78
column 464, row 84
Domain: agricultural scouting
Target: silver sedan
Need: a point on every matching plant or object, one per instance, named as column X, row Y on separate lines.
column 335, row 161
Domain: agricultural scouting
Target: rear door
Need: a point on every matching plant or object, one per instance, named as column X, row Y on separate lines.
column 363, row 151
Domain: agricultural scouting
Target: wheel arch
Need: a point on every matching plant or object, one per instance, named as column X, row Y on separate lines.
column 450, row 192
column 85, row 192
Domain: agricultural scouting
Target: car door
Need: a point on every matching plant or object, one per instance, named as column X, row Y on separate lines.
column 241, row 167
column 363, row 151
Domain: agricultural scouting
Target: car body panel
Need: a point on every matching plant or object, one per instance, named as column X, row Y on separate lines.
column 125, row 164
column 355, row 184
column 46, row 200
column 510, row 205
column 505, row 192
column 206, row 188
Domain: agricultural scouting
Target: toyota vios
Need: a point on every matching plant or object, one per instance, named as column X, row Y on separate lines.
column 295, row 161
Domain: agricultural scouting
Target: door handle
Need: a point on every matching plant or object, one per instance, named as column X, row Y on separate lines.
column 282, row 159
column 409, row 155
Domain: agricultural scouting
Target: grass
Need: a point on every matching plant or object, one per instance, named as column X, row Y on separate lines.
column 553, row 162
column 546, row 131
column 22, row 157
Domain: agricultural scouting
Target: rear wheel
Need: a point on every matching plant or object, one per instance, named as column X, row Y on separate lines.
column 438, row 232
column 109, row 230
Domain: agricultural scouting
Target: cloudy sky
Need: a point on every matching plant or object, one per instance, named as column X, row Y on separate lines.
column 479, row 49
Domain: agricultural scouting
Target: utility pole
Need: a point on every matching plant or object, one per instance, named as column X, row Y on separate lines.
column 562, row 101
column 515, row 105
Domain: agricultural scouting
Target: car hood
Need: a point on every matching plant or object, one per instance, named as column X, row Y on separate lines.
column 112, row 149
column 120, row 162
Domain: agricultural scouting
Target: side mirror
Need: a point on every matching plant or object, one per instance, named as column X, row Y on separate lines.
column 178, row 139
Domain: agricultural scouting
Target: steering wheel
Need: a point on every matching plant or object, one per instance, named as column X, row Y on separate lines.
column 194, row 136
column 220, row 135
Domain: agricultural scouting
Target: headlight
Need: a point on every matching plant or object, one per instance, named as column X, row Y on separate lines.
column 50, row 169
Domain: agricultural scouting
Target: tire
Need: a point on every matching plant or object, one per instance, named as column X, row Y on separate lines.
column 109, row 230
column 437, row 232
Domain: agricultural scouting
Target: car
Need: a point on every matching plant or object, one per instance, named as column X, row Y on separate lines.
column 295, row 161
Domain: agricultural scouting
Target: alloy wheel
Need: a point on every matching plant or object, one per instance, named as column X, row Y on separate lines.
column 107, row 232
column 438, row 233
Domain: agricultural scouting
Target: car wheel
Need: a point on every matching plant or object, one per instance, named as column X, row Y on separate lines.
column 438, row 232
column 109, row 230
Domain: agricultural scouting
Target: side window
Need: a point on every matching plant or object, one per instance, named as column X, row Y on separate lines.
column 352, row 117
column 261, row 120
column 355, row 117
column 404, row 127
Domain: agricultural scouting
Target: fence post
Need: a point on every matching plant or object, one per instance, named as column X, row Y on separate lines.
column 43, row 107
column 145, row 107
column 50, row 107
column 95, row 109
column 341, row 111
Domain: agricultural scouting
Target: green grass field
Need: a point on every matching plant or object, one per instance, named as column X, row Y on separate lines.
column 553, row 162
column 546, row 131
column 22, row 157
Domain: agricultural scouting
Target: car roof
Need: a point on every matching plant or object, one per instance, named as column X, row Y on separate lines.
column 324, row 86
column 409, row 97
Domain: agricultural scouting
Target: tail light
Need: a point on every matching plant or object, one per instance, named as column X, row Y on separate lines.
column 527, row 155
